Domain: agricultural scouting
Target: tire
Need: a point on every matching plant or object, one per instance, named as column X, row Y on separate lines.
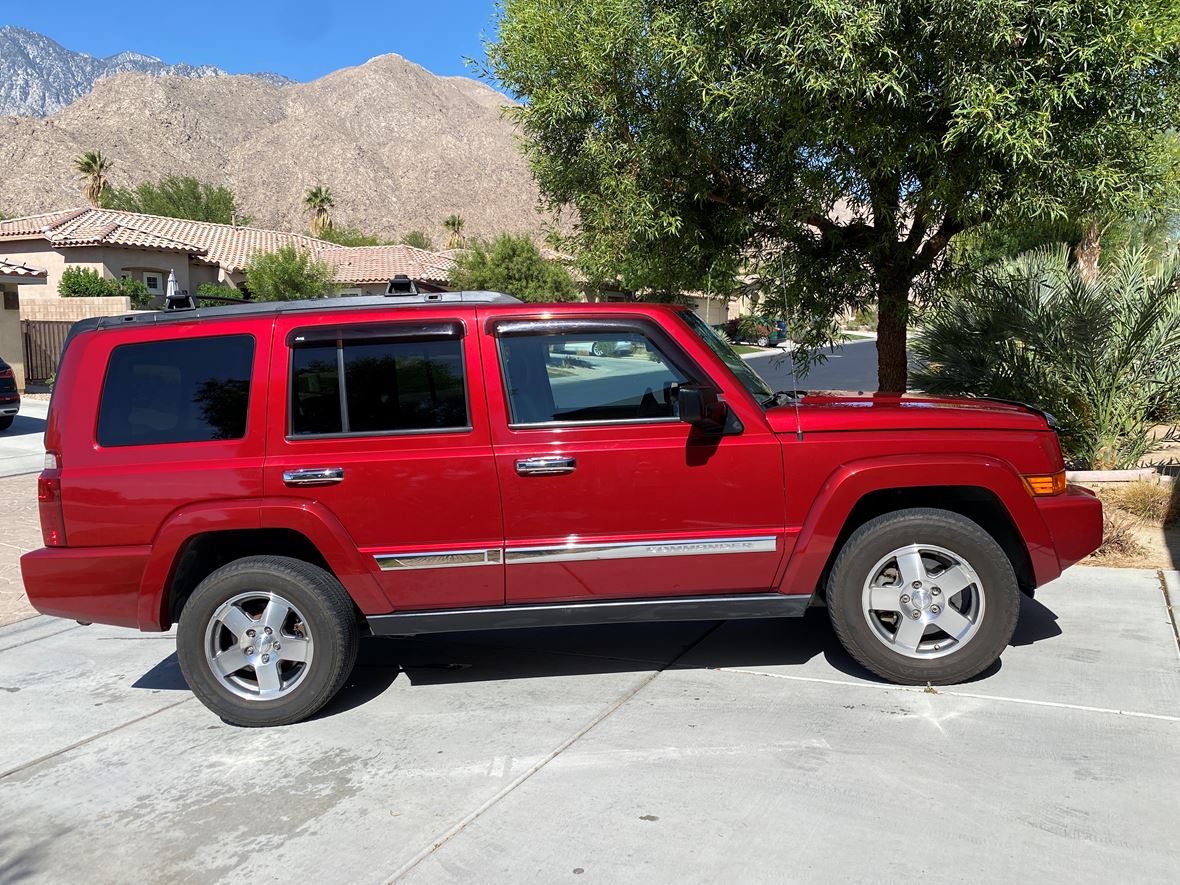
column 891, row 568
column 269, row 684
column 596, row 349
column 763, row 341
column 6, row 421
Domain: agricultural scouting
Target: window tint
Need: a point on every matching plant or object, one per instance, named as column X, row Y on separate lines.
column 388, row 385
column 588, row 376
column 191, row 390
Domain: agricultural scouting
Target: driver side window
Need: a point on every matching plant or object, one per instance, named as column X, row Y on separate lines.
column 588, row 376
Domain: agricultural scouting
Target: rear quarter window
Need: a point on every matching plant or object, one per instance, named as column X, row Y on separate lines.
column 186, row 390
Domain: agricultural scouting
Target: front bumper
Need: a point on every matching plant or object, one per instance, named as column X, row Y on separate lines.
column 1074, row 521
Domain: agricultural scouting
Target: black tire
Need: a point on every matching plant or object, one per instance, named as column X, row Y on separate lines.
column 330, row 619
column 6, row 421
column 876, row 539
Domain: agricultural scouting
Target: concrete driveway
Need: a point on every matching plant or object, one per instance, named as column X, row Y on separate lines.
column 22, row 448
column 707, row 752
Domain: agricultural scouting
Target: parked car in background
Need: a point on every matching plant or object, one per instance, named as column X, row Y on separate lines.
column 758, row 330
column 281, row 478
column 599, row 347
column 9, row 396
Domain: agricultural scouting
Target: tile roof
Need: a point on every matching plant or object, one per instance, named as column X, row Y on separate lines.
column 223, row 245
column 8, row 268
column 378, row 264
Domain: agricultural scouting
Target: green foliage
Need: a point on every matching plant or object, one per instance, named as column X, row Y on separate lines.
column 351, row 236
column 92, row 168
column 832, row 149
column 454, row 227
column 419, row 240
column 513, row 265
column 1103, row 357
column 214, row 290
column 288, row 274
column 318, row 201
column 178, row 196
column 83, row 282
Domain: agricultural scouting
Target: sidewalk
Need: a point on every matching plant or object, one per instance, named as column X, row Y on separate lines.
column 20, row 532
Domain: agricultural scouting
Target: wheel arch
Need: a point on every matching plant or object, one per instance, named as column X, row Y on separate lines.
column 986, row 490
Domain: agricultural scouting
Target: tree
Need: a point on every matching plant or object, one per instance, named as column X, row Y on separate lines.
column 513, row 265
column 85, row 282
column 93, row 168
column 454, row 227
column 179, row 196
column 832, row 149
column 318, row 201
column 1101, row 354
column 419, row 240
column 288, row 274
column 350, row 236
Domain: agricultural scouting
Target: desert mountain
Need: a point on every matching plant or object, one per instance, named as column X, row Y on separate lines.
column 39, row 76
column 399, row 147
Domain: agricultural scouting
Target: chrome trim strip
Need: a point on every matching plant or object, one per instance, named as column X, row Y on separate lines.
column 438, row 559
column 578, row 552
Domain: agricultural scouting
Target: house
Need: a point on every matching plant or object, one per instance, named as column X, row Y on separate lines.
column 35, row 249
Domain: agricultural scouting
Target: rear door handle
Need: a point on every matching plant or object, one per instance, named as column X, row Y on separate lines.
column 313, row 476
column 554, row 465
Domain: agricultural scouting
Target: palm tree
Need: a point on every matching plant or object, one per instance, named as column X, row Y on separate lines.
column 93, row 167
column 454, row 226
column 318, row 201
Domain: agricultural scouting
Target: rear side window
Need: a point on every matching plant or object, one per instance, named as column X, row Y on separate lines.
column 188, row 390
column 376, row 380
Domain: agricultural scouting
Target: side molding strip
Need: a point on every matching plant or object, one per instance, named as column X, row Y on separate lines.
column 617, row 611
column 578, row 552
column 438, row 559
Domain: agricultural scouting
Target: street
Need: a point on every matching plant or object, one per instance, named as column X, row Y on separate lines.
column 852, row 366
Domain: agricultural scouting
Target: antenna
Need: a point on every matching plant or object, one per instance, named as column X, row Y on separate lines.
column 791, row 340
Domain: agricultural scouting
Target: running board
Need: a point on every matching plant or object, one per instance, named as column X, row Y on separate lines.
column 572, row 614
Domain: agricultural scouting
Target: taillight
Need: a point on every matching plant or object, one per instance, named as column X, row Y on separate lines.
column 1044, row 485
column 53, row 522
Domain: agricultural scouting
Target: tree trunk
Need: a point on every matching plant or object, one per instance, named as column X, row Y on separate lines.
column 893, row 310
column 1088, row 251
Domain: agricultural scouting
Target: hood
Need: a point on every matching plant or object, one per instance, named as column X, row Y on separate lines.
column 892, row 412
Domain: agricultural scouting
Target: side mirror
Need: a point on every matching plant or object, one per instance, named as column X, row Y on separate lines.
column 700, row 407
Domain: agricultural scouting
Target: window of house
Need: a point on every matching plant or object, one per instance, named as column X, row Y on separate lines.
column 154, row 282
column 394, row 378
column 191, row 390
column 588, row 376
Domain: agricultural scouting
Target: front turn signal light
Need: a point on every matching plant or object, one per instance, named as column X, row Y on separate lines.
column 1045, row 484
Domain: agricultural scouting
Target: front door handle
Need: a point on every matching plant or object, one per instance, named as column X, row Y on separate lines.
column 313, row 476
column 554, row 465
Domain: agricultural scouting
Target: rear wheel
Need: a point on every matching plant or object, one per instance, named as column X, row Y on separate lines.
column 6, row 421
column 267, row 640
column 923, row 595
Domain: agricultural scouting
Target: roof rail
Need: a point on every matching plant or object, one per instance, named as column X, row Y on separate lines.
column 263, row 308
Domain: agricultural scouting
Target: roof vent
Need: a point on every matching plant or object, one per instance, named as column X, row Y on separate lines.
column 401, row 285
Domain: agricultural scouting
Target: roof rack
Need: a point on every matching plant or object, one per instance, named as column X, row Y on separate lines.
column 183, row 313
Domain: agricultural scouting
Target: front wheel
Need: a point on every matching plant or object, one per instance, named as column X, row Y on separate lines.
column 923, row 596
column 267, row 640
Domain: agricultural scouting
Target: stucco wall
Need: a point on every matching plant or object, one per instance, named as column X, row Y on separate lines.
column 11, row 348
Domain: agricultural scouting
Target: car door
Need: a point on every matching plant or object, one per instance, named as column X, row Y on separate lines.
column 606, row 493
column 380, row 419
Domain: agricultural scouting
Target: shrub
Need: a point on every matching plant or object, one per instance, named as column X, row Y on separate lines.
column 1119, row 540
column 1103, row 355
column 288, row 274
column 82, row 282
column 178, row 196
column 419, row 240
column 1152, row 502
column 351, row 236
column 513, row 265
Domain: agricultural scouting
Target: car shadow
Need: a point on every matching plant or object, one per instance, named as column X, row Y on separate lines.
column 25, row 425
column 498, row 655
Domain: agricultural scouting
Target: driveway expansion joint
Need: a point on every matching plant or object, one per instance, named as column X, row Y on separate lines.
column 445, row 837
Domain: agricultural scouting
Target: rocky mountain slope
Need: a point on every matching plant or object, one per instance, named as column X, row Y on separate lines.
column 39, row 76
column 399, row 147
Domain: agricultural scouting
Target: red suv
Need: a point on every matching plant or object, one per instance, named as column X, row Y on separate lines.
column 282, row 478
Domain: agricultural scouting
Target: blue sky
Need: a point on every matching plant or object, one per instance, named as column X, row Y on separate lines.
column 299, row 39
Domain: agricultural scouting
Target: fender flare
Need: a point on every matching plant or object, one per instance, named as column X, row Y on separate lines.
column 846, row 485
column 308, row 518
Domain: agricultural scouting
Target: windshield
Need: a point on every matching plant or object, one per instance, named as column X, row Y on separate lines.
column 750, row 379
